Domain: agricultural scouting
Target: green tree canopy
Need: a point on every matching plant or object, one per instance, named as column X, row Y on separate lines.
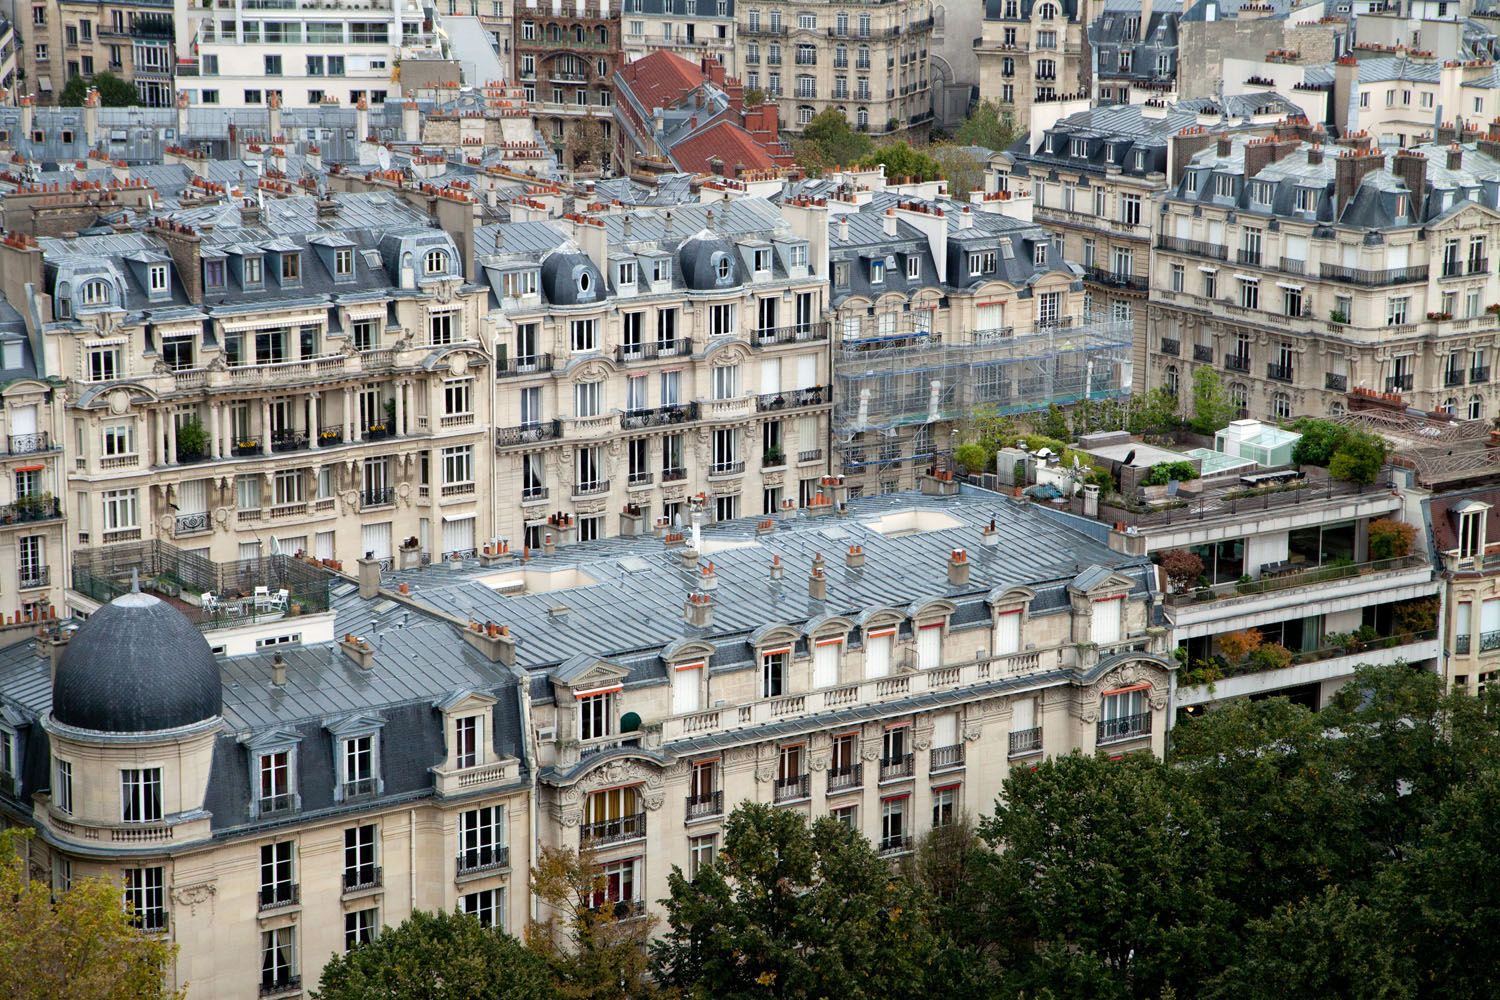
column 793, row 910
column 113, row 92
column 963, row 170
column 828, row 142
column 901, row 160
column 1212, row 407
column 77, row 943
column 596, row 948
column 987, row 126
column 437, row 956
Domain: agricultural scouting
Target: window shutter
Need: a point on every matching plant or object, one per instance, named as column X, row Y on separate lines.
column 807, row 372
column 458, row 535
column 878, row 655
column 945, row 730
column 826, row 663
column 1464, row 611
column 1489, row 620
column 686, row 686
column 1022, row 715
column 376, row 538
column 1105, row 627
column 929, row 647
column 770, row 376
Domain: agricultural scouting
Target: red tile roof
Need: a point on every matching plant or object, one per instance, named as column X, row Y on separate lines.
column 729, row 142
column 661, row 79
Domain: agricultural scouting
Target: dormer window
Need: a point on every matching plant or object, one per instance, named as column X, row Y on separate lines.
column 156, row 276
column 762, row 260
column 626, row 273
column 1224, row 185
column 359, row 765
column 1307, row 199
column 1264, row 192
column 1080, row 147
column 468, row 740
column 877, row 272
column 724, row 268
column 1140, row 160
column 436, row 262
column 252, row 271
column 661, row 270
column 94, row 293
column 515, row 284
column 275, row 771
column 1190, row 184
column 585, row 282
column 798, row 255
column 343, row 263
column 1039, row 255
column 1107, row 622
column 213, row 274
column 291, row 267
column 1401, row 203
column 596, row 714
column 774, row 664
column 1471, row 533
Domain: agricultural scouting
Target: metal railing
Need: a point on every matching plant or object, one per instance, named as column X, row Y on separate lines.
column 1280, row 373
column 1026, row 741
column 481, row 859
column 362, row 877
column 32, row 508
column 726, row 469
column 1247, row 257
column 646, row 350
column 810, row 455
column 945, row 757
column 1489, row 641
column 787, row 789
column 1477, row 375
column 847, row 776
column 1461, row 644
column 661, row 416
column 529, row 493
column 1179, row 245
column 709, row 804
column 26, row 444
column 383, row 496
column 897, row 767
column 591, row 489
column 1452, row 377
column 795, row 334
column 899, row 844
column 1126, row 727
column 280, row 894
column 35, row 576
column 275, row 985
column 790, row 400
column 1237, row 363
column 1373, row 279
column 1336, row 383
column 1203, row 352
column 1170, row 346
column 1115, row 279
column 532, row 433
column 528, row 364
column 1400, row 383
column 359, row 787
column 614, row 831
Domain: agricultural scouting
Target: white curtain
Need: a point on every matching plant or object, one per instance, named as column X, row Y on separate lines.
column 1106, row 623
column 1007, row 633
column 685, row 690
column 878, row 656
column 826, row 664
column 929, row 647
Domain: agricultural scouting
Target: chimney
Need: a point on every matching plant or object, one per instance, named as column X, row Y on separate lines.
column 250, row 212
column 119, row 170
column 273, row 106
column 1348, row 172
column 56, row 646
column 776, row 569
column 698, row 611
column 890, row 222
column 1226, row 144
column 965, row 219
column 549, row 546
column 358, row 649
column 1455, row 157
column 990, row 536
column 494, row 641
column 182, row 116
column 709, row 579
column 80, row 170
column 91, row 117
column 844, row 228
column 411, row 122
column 1411, row 167
column 278, row 670
column 1091, row 500
column 315, row 158
column 361, row 120
column 958, row 568
column 369, row 576
column 185, row 246
column 1259, row 153
column 28, row 115
column 855, row 559
column 1314, row 155
column 327, row 207
column 817, row 584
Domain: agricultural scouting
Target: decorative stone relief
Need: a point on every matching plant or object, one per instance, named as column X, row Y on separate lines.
column 194, row 896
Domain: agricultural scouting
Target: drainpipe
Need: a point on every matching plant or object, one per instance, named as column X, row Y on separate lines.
column 411, row 849
column 523, row 694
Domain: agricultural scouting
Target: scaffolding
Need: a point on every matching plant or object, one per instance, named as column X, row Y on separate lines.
column 891, row 395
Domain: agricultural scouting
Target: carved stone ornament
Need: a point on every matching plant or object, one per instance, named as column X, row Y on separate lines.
column 972, row 733
column 818, row 761
column 458, row 363
column 194, row 896
column 593, row 371
column 763, row 774
column 119, row 401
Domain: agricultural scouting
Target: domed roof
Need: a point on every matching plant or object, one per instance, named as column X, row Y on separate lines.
column 570, row 278
column 708, row 262
column 137, row 665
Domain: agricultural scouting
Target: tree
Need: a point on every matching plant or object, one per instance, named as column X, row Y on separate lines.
column 828, row 142
column 964, row 171
column 955, row 872
column 1053, row 422
column 986, row 126
column 974, row 457
column 1183, row 568
column 113, row 92
column 437, row 956
column 901, row 160
column 793, row 910
column 754, row 97
column 1390, row 539
column 1359, row 458
column 586, row 144
column 1319, row 440
column 77, row 943
column 596, row 948
column 1212, row 407
column 1114, row 871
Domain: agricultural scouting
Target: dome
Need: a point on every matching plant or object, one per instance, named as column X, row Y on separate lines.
column 709, row 262
column 137, row 665
column 571, row 279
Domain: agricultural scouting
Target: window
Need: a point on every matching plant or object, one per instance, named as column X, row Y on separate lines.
column 360, row 871
column 1224, row 185
column 930, row 646
column 483, row 906
column 1291, row 301
column 358, row 760
column 519, row 283
column 273, row 65
column 343, row 263
column 773, row 672
column 140, row 795
column 468, row 735
column 583, row 335
column 596, row 716
column 275, row 781
column 1471, row 534
column 62, row 792
column 1210, row 284
column 277, row 961
column 1249, row 294
column 458, row 465
column 440, row 328
column 1123, row 714
column 277, row 882
column 944, row 806
column 687, row 679
column 1396, row 310
column 360, row 927
column 145, row 898
column 481, row 839
column 894, row 834
column 458, row 397
column 726, row 382
column 104, row 364
column 701, row 853
column 435, row 262
column 1107, row 620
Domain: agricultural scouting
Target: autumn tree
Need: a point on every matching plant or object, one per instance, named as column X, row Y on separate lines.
column 438, row 956
column 77, row 943
column 595, row 946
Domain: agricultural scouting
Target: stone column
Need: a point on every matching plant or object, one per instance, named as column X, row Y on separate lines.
column 171, row 419
column 348, row 416
column 400, row 427
column 312, row 418
column 265, row 426
column 214, row 429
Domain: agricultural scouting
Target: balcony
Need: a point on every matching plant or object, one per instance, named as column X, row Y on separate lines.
column 706, row 805
column 726, row 409
column 1335, row 383
column 673, row 475
column 1279, row 373
column 1237, row 363
column 279, row 894
column 1489, row 641
column 640, row 479
column 1316, row 666
column 359, row 788
column 792, row 789
column 794, row 399
column 1452, row 377
column 275, row 986
column 724, row 470
column 152, row 921
column 898, row 844
column 946, row 758
column 527, row 364
column 613, row 831
column 29, row 444
column 1463, row 269
column 1203, row 352
column 1320, row 576
column 1399, row 383
column 593, row 488
column 1478, row 375
column 362, row 877
column 1127, row 727
column 34, row 577
column 842, row 779
column 1461, row 645
column 1291, row 265
column 534, row 494
column 809, row 455
column 661, row 416
column 677, row 348
column 527, row 434
column 1373, row 279
column 1250, row 258
column 287, row 441
column 1178, row 245
column 482, row 859
column 382, row 496
column 1025, row 742
column 1171, row 347
column 1116, row 279
column 800, row 333
column 892, row 768
column 29, row 509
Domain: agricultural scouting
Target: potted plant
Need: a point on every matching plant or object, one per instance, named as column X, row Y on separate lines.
column 1338, row 316
column 329, row 435
column 774, row 456
column 192, row 440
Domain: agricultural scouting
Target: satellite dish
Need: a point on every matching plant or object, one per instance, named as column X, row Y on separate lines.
column 383, row 156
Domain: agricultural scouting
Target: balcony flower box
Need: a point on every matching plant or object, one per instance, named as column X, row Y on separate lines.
column 1437, row 316
column 329, row 435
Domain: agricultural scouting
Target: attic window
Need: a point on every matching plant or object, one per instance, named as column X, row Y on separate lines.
column 1079, row 147
column 1040, row 252
column 157, row 275
column 1471, row 533
column 1140, row 160
column 661, row 270
column 94, row 293
column 1192, row 182
column 723, row 268
column 1224, row 185
column 291, row 267
column 585, row 281
column 1307, row 199
column 626, row 273
column 436, row 262
column 343, row 263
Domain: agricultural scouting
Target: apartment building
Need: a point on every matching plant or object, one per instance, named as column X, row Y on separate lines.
column 1304, row 272
column 565, row 58
column 1135, row 53
column 267, row 812
column 9, row 60
column 940, row 308
column 647, row 358
column 1212, row 35
column 1398, row 99
column 1093, row 175
column 1285, row 552
column 298, row 53
column 1031, row 52
column 693, row 29
column 131, row 39
column 308, row 376
column 870, row 62
column 1459, row 526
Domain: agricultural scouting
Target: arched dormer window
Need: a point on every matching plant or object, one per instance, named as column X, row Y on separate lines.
column 436, row 262
column 1047, row 12
column 94, row 293
column 724, row 268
